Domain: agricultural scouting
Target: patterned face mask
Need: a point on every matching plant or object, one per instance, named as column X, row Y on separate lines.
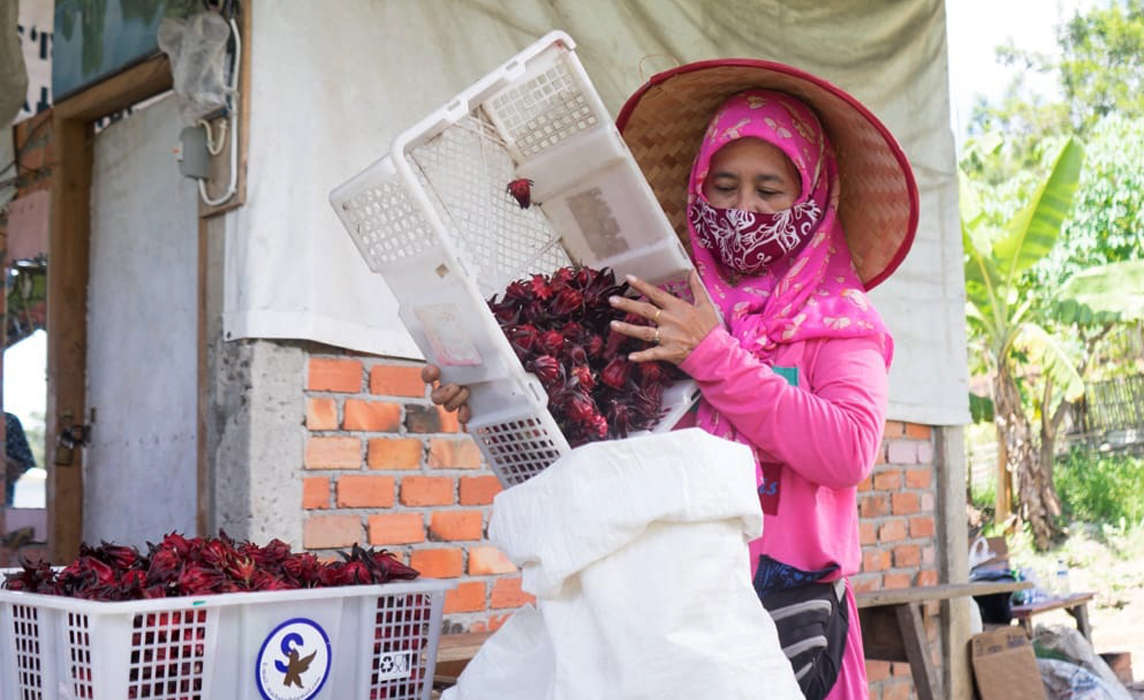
column 747, row 241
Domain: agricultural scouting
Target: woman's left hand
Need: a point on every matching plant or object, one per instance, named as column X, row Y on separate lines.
column 677, row 326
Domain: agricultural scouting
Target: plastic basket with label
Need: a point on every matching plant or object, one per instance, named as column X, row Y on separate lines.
column 374, row 642
column 434, row 219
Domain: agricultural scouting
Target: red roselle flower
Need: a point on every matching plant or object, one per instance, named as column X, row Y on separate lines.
column 182, row 566
column 521, row 191
column 558, row 326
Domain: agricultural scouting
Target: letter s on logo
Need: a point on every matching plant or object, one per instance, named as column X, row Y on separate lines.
column 288, row 643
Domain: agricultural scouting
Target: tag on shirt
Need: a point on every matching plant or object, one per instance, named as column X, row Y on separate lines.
column 788, row 373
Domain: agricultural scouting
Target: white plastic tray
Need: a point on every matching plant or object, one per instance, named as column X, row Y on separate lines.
column 348, row 642
column 434, row 219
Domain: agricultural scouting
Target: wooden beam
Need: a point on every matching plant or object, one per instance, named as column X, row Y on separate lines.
column 68, row 245
column 68, row 270
column 220, row 164
column 120, row 91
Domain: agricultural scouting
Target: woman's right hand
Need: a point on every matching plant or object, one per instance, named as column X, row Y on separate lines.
column 453, row 397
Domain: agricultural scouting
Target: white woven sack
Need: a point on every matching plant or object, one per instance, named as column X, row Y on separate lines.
column 637, row 553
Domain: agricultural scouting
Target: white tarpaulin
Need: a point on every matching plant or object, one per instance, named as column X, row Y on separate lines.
column 636, row 551
column 334, row 83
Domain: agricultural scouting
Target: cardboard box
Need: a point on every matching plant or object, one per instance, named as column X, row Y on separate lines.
column 1004, row 667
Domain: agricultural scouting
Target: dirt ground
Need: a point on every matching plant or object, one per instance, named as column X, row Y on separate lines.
column 1112, row 567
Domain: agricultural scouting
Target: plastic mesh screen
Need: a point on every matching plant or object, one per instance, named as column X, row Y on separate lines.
column 467, row 170
column 401, row 630
column 387, row 224
column 520, row 449
column 26, row 633
column 544, row 111
column 167, row 655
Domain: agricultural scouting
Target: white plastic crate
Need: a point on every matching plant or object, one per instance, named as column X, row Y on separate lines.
column 367, row 642
column 434, row 219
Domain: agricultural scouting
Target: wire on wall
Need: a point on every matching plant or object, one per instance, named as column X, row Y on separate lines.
column 231, row 119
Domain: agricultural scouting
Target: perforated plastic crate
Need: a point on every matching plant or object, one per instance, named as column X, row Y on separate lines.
column 367, row 642
column 434, row 219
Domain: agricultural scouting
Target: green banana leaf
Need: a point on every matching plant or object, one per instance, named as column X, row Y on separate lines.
column 1054, row 358
column 1034, row 230
column 1113, row 288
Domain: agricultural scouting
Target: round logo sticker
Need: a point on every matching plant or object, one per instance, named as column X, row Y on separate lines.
column 294, row 661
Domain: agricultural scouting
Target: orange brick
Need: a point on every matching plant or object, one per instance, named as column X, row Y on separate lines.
column 875, row 560
column 866, row 582
column 507, row 594
column 333, row 452
column 315, row 492
column 927, row 577
column 468, row 596
column 489, row 560
column 880, row 455
column 918, row 478
column 392, row 380
column 866, row 484
column 365, row 491
column 894, row 429
column 326, row 531
column 492, row 624
column 334, row 375
column 921, row 527
column 877, row 671
column 907, row 556
column 892, row 530
column 394, row 453
column 449, row 525
column 867, row 533
column 438, row 563
column 918, row 432
column 896, row 690
column 396, row 528
column 904, row 503
column 422, row 418
column 888, row 480
column 447, row 420
column 376, row 416
column 460, row 453
column 426, row 491
column 900, row 670
column 896, row 581
column 478, row 490
column 873, row 506
column 322, row 414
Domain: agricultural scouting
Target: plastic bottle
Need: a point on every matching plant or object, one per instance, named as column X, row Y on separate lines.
column 1062, row 578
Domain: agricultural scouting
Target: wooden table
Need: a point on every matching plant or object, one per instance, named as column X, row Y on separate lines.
column 892, row 628
column 1075, row 605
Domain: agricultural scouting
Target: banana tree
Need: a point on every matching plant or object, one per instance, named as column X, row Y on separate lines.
column 1003, row 328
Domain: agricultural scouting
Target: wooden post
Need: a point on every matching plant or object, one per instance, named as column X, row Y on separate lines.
column 68, row 269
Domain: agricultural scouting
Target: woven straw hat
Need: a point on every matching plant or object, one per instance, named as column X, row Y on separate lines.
column 664, row 121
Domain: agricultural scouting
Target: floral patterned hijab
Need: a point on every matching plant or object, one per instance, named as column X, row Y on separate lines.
column 808, row 287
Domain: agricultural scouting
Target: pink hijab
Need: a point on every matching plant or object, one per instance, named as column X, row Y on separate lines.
column 814, row 292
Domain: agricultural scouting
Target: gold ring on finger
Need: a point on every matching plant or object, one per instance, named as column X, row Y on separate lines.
column 655, row 319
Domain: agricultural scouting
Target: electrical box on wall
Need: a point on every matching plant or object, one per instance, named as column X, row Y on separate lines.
column 192, row 153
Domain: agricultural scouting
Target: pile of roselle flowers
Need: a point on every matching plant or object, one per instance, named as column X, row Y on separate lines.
column 558, row 325
column 192, row 566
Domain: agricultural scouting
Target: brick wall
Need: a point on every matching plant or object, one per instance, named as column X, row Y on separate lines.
column 384, row 464
column 898, row 524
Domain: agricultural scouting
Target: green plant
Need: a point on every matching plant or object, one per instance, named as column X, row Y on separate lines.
column 1100, row 488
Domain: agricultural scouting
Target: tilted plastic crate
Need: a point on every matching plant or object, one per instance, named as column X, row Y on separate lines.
column 434, row 219
column 366, row 642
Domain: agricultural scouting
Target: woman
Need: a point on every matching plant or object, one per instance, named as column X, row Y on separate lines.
column 787, row 231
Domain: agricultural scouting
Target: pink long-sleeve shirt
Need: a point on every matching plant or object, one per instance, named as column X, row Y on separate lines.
column 816, row 441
